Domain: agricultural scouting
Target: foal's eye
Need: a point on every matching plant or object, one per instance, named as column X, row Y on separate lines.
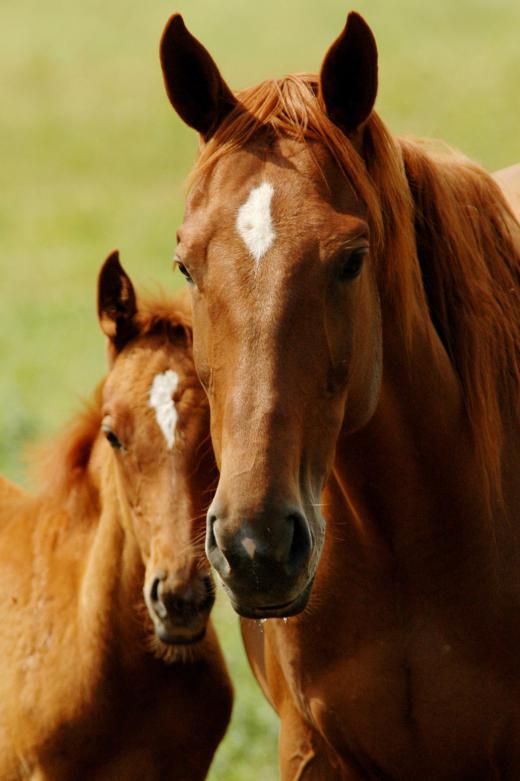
column 112, row 438
column 352, row 264
column 184, row 271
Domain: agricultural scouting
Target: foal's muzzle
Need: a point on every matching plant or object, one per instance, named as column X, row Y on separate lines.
column 263, row 559
column 179, row 609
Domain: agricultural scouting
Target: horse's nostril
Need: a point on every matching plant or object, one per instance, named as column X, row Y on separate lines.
column 300, row 543
column 211, row 542
column 215, row 554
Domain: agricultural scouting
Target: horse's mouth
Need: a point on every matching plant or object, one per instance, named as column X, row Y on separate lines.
column 285, row 610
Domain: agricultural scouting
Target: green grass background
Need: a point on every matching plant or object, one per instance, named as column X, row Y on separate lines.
column 92, row 157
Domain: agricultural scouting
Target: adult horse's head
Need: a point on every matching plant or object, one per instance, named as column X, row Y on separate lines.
column 278, row 245
column 156, row 419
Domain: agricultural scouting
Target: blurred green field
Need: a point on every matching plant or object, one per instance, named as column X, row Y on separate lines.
column 92, row 157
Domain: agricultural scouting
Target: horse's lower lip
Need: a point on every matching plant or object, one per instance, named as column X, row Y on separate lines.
column 285, row 610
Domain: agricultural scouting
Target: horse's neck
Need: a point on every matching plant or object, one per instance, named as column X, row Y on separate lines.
column 111, row 586
column 411, row 478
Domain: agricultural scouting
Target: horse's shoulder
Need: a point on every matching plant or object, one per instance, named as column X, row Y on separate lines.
column 508, row 180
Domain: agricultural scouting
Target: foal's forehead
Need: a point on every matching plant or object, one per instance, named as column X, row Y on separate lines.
column 138, row 364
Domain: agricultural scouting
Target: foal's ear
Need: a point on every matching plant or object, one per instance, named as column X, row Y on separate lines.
column 348, row 78
column 116, row 303
column 197, row 91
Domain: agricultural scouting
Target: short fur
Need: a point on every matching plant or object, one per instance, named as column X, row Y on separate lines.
column 443, row 236
column 87, row 689
column 364, row 391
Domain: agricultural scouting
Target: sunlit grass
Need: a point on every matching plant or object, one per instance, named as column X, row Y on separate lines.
column 92, row 157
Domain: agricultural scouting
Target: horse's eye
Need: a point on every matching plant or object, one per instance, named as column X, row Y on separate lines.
column 184, row 271
column 111, row 438
column 352, row 264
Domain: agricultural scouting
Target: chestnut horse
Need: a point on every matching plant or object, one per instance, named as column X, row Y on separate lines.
column 357, row 327
column 96, row 681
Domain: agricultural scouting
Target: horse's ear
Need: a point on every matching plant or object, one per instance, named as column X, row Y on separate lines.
column 116, row 303
column 197, row 91
column 348, row 78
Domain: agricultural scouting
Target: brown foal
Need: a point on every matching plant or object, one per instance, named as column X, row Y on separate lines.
column 98, row 682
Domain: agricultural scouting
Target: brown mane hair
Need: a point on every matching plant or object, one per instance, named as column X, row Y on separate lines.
column 441, row 239
column 60, row 467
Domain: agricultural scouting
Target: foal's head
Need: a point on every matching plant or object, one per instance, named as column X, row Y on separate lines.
column 155, row 419
column 277, row 247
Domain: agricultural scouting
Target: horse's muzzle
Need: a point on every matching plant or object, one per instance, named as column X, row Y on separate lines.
column 264, row 562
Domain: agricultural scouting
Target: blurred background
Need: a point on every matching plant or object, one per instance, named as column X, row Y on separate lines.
column 92, row 158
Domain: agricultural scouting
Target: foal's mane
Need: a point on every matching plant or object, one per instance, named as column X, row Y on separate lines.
column 61, row 467
column 442, row 239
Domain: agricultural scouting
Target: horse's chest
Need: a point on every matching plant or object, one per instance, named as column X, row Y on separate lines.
column 427, row 711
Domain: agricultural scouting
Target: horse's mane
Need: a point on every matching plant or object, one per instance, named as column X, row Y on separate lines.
column 440, row 228
column 60, row 468
column 471, row 271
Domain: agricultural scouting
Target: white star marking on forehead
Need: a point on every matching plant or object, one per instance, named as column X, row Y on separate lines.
column 163, row 386
column 254, row 221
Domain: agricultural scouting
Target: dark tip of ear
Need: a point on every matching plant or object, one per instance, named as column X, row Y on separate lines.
column 111, row 263
column 176, row 19
column 116, row 302
column 356, row 20
column 348, row 78
column 174, row 26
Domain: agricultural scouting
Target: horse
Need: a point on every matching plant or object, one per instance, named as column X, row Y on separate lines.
column 111, row 668
column 356, row 326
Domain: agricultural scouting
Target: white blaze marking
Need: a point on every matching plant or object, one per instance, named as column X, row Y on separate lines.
column 254, row 221
column 163, row 386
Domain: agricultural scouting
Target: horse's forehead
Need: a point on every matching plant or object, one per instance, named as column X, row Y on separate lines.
column 259, row 198
column 291, row 167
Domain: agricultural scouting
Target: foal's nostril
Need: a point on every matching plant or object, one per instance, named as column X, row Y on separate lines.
column 180, row 601
column 209, row 594
column 154, row 590
column 155, row 599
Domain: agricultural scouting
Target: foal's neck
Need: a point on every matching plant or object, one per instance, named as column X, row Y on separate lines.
column 111, row 587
